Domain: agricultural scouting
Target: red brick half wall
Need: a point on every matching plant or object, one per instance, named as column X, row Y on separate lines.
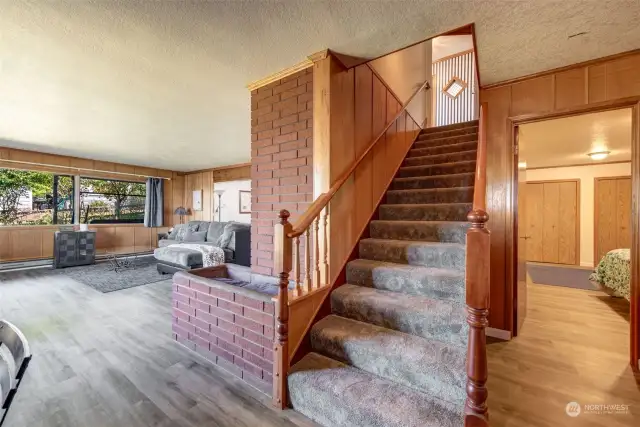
column 281, row 159
column 230, row 326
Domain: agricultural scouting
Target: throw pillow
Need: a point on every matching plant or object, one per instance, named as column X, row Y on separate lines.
column 227, row 234
column 195, row 236
column 177, row 232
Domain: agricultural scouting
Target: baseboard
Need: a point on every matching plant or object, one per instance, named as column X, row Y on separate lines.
column 500, row 334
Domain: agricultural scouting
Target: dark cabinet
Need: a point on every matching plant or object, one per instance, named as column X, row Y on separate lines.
column 72, row 248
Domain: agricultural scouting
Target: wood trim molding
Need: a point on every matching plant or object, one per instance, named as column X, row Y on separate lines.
column 319, row 56
column 454, row 55
column 575, row 165
column 500, row 334
column 216, row 169
column 302, row 65
column 561, row 69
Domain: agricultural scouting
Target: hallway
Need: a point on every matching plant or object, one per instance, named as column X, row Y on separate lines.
column 574, row 347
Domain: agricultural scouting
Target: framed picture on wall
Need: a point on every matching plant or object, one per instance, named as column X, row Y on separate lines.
column 245, row 202
column 197, row 200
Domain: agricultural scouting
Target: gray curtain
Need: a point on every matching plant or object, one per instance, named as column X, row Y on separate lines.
column 153, row 205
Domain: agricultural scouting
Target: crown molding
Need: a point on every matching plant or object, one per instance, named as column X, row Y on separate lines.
column 280, row 74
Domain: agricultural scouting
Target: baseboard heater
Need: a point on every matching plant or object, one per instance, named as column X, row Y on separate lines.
column 14, row 360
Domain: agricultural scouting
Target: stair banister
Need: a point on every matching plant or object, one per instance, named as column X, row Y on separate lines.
column 287, row 257
column 477, row 288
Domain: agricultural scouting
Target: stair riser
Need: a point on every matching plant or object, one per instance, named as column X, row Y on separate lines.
column 440, row 158
column 431, row 143
column 386, row 278
column 439, row 371
column 451, row 126
column 448, row 133
column 447, row 324
column 464, row 195
column 452, row 168
column 422, row 231
column 426, row 255
column 433, row 182
column 442, row 149
column 434, row 212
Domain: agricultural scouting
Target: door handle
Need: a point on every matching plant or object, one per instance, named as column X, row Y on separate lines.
column 525, row 237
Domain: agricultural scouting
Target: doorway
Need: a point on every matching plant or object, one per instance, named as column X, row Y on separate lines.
column 565, row 251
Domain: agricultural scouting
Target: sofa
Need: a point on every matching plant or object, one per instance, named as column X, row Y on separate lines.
column 233, row 237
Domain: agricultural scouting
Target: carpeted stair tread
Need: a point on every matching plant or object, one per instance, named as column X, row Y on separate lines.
column 337, row 395
column 440, row 320
column 433, row 181
column 440, row 158
column 437, row 169
column 444, row 141
column 428, row 366
column 428, row 254
column 425, row 212
column 443, row 149
column 427, row 231
column 445, row 133
column 438, row 283
column 430, row 195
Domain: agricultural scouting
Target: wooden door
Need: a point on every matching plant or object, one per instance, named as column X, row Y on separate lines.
column 553, row 221
column 612, row 218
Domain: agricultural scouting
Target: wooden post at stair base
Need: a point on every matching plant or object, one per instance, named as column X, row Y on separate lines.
column 477, row 299
column 282, row 246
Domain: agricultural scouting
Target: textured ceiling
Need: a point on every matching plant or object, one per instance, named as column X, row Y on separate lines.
column 162, row 83
column 567, row 141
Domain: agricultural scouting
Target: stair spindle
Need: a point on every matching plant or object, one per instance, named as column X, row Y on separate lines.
column 296, row 266
column 316, row 258
column 325, row 247
column 307, row 260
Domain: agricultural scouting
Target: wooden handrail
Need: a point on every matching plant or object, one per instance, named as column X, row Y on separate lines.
column 323, row 200
column 480, row 186
column 478, row 281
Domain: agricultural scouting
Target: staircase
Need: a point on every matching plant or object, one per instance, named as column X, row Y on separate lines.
column 392, row 353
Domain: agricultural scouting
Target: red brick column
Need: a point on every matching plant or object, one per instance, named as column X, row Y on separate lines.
column 281, row 159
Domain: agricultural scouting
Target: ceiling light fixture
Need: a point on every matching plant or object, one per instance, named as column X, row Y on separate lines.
column 599, row 155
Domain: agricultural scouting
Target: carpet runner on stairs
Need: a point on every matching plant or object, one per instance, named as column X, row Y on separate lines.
column 392, row 353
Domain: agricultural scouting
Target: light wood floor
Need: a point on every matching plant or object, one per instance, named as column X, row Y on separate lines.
column 574, row 346
column 103, row 360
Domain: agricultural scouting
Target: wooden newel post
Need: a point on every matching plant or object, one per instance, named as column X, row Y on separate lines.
column 477, row 299
column 282, row 247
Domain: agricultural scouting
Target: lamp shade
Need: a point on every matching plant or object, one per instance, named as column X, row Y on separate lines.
column 180, row 211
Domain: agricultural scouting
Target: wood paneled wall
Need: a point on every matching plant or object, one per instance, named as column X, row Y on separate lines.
column 36, row 242
column 203, row 180
column 578, row 86
column 352, row 108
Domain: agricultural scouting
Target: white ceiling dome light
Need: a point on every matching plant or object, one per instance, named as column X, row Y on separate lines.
column 599, row 155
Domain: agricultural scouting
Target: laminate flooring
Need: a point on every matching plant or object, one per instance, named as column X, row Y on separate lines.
column 573, row 347
column 108, row 360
